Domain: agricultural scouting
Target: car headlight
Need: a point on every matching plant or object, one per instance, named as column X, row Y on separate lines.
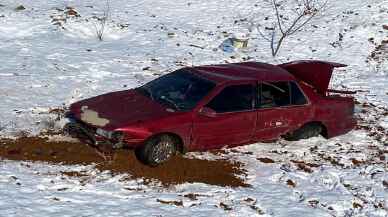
column 114, row 135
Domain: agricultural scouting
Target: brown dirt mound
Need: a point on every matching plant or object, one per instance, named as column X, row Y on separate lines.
column 177, row 170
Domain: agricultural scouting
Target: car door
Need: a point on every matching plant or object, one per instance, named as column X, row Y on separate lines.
column 282, row 107
column 233, row 119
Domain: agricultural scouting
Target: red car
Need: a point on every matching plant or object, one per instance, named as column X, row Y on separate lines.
column 209, row 107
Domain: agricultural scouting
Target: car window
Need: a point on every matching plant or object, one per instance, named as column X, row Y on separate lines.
column 233, row 98
column 274, row 94
column 297, row 97
column 181, row 90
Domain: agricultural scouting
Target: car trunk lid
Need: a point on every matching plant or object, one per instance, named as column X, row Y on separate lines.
column 313, row 72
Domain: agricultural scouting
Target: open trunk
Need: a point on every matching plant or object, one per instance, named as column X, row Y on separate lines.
column 313, row 72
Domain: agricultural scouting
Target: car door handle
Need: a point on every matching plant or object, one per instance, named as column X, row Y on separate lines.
column 275, row 123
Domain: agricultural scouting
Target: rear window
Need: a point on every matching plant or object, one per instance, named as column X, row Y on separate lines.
column 278, row 94
column 274, row 94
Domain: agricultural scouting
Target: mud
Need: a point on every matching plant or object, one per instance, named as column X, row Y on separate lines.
column 176, row 171
column 266, row 160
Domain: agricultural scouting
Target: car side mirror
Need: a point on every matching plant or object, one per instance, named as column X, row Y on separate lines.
column 208, row 112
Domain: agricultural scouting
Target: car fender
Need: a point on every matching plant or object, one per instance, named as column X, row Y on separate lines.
column 179, row 125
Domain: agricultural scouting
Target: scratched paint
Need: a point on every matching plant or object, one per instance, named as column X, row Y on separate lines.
column 92, row 117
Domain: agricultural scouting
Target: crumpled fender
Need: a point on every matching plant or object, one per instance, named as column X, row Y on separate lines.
column 314, row 72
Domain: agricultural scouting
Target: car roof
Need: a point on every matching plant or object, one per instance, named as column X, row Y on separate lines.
column 245, row 71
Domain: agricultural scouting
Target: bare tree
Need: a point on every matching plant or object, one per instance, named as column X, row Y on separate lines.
column 285, row 26
column 102, row 21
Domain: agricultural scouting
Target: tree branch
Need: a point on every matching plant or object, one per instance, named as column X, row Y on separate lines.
column 278, row 16
column 262, row 35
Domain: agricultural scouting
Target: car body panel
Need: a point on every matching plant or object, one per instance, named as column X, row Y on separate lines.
column 336, row 113
column 274, row 122
column 179, row 124
column 226, row 129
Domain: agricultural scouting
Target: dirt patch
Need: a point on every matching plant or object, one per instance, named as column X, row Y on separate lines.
column 226, row 207
column 173, row 202
column 385, row 184
column 266, row 160
column 380, row 53
column 177, row 170
column 306, row 167
column 291, row 183
column 193, row 196
column 20, row 8
column 74, row 173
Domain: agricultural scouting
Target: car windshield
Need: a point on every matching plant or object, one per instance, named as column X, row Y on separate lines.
column 180, row 90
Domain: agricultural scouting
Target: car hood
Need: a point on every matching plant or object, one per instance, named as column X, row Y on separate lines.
column 117, row 109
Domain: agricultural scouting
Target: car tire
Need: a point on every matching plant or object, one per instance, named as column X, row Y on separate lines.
column 305, row 132
column 157, row 150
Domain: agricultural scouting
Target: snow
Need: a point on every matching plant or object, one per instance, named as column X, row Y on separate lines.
column 45, row 66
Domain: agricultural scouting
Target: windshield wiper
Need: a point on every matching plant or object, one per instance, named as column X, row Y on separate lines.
column 169, row 101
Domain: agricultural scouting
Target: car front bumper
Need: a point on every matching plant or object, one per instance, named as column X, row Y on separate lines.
column 79, row 130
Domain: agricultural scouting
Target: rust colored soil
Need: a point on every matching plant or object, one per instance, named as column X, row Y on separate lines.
column 177, row 170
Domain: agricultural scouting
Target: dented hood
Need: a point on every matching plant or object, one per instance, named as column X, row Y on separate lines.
column 117, row 109
column 313, row 72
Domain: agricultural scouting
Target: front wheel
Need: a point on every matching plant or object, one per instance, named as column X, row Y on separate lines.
column 157, row 150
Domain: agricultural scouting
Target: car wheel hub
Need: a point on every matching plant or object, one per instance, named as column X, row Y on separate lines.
column 162, row 151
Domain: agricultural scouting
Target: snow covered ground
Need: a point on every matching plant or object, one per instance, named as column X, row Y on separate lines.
column 50, row 57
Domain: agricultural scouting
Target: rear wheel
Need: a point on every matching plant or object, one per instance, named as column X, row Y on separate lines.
column 157, row 150
column 306, row 131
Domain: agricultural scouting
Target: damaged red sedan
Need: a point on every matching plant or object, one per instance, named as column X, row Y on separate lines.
column 210, row 107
